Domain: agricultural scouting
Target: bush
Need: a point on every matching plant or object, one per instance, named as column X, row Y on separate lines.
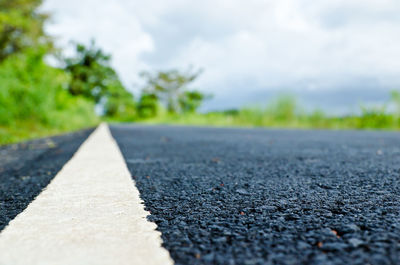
column 147, row 106
column 32, row 92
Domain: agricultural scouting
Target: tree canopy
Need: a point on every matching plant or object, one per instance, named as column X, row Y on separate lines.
column 21, row 27
column 171, row 88
column 93, row 77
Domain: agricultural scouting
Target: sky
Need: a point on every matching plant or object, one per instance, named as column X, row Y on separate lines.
column 332, row 54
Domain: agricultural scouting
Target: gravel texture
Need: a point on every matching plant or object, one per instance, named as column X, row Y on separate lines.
column 255, row 196
column 27, row 168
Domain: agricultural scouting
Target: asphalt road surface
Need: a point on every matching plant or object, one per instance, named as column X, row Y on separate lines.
column 255, row 196
column 241, row 196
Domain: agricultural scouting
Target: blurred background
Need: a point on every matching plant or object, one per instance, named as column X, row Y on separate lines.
column 66, row 65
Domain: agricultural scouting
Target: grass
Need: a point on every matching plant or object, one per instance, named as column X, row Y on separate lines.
column 284, row 112
column 279, row 114
column 313, row 121
column 75, row 113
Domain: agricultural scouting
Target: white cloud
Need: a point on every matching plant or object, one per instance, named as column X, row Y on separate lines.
column 110, row 24
column 246, row 47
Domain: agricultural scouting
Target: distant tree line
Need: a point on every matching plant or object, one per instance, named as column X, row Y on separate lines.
column 93, row 77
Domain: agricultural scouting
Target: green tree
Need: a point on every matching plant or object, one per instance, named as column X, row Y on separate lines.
column 171, row 88
column 21, row 26
column 93, row 77
column 190, row 101
column 147, row 106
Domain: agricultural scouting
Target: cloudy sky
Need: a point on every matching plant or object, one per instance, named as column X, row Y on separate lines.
column 333, row 54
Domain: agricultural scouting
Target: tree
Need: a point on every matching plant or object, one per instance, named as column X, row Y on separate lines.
column 93, row 77
column 91, row 74
column 190, row 101
column 171, row 88
column 21, row 27
column 120, row 104
column 147, row 106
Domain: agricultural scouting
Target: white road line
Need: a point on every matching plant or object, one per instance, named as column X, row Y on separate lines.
column 90, row 213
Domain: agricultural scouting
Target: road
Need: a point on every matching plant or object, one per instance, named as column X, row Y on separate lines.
column 254, row 196
column 243, row 196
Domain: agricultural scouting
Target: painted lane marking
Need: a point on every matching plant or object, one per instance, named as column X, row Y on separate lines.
column 90, row 213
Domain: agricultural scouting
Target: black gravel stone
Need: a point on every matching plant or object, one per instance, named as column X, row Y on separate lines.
column 27, row 168
column 255, row 196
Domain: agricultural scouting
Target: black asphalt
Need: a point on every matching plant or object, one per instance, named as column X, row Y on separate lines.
column 27, row 168
column 255, row 196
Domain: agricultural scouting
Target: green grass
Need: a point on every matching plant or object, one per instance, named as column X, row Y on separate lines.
column 314, row 121
column 284, row 112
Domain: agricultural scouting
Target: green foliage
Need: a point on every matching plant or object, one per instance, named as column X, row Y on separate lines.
column 32, row 92
column 190, row 101
column 171, row 88
column 147, row 106
column 21, row 27
column 91, row 74
column 374, row 118
column 120, row 105
column 281, row 111
column 285, row 112
column 283, row 108
column 93, row 77
column 318, row 119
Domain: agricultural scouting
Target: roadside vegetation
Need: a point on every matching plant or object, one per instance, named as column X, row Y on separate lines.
column 37, row 99
column 285, row 112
